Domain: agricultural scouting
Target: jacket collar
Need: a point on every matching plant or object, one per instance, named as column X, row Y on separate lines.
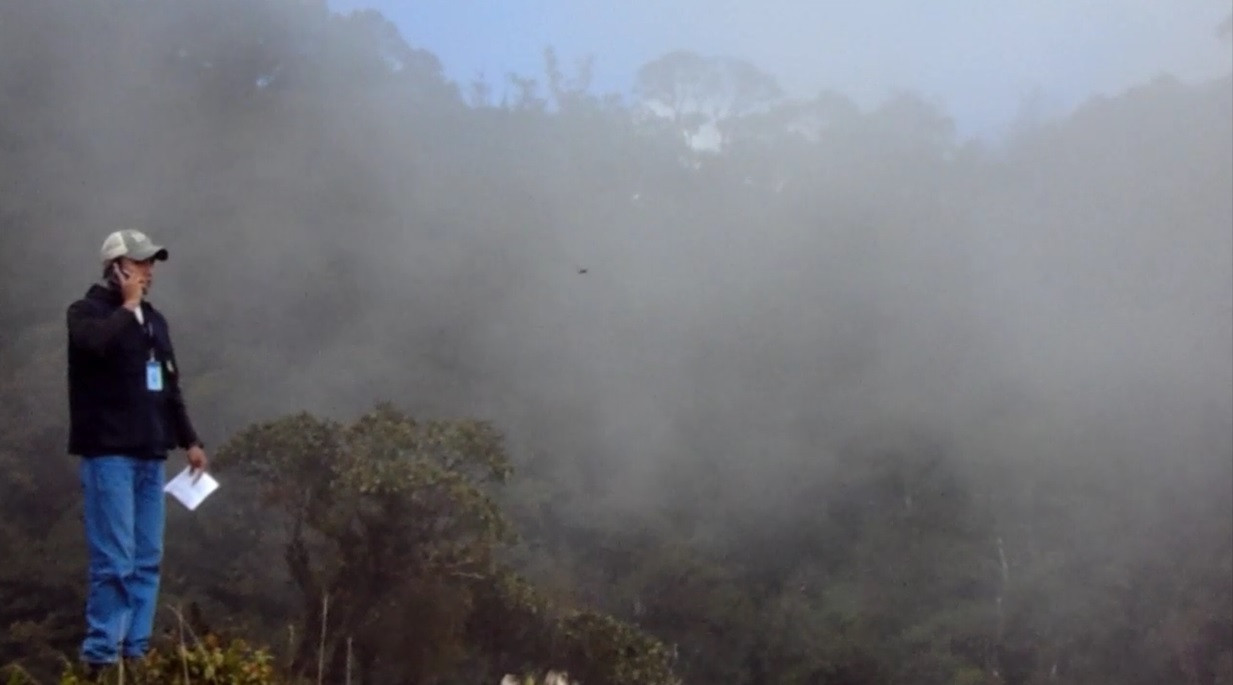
column 109, row 293
column 105, row 291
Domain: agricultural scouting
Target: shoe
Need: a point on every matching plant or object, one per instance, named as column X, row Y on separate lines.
column 94, row 671
column 132, row 662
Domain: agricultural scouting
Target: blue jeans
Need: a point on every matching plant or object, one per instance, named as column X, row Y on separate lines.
column 124, row 535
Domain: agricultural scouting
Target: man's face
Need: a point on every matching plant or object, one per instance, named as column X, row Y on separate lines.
column 142, row 270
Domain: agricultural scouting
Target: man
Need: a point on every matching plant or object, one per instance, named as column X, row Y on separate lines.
column 126, row 413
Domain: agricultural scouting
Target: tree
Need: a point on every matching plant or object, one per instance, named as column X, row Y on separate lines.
column 392, row 541
column 387, row 518
column 693, row 90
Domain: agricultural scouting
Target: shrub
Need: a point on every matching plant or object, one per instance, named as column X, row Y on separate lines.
column 209, row 662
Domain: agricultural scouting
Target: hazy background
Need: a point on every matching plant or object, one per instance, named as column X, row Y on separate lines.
column 945, row 327
column 983, row 64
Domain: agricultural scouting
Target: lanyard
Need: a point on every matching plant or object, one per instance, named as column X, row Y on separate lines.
column 147, row 327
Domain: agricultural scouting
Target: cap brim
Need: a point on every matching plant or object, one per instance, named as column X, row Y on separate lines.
column 155, row 252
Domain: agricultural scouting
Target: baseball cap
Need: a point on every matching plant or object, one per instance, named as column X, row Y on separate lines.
column 133, row 244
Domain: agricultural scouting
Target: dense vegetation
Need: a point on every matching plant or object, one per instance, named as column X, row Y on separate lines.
column 510, row 375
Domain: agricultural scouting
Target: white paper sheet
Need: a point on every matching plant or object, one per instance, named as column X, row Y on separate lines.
column 189, row 493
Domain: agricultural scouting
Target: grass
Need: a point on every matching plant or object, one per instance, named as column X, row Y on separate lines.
column 192, row 659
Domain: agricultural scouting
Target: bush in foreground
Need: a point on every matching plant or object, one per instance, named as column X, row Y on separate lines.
column 209, row 662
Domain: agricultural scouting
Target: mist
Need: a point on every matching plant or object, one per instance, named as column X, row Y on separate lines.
column 712, row 333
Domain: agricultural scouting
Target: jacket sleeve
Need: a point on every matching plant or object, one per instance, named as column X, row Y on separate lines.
column 96, row 332
column 186, row 434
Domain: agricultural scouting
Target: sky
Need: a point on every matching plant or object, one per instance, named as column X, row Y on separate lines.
column 977, row 59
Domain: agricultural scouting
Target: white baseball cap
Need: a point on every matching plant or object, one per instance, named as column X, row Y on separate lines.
column 133, row 244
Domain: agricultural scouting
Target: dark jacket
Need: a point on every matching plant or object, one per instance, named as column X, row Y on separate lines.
column 111, row 411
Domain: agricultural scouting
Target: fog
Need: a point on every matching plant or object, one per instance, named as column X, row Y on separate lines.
column 981, row 64
column 688, row 298
column 1083, row 280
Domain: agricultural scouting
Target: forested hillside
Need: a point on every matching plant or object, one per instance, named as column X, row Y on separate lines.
column 510, row 374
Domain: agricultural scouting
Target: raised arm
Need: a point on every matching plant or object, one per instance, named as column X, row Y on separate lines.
column 95, row 331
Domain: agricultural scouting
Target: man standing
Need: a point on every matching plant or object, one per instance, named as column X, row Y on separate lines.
column 126, row 413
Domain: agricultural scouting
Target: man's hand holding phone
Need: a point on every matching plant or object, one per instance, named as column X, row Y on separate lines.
column 132, row 286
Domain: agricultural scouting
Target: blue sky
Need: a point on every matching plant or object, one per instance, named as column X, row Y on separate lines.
column 977, row 59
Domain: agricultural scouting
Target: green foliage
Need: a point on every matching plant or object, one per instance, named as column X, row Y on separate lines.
column 391, row 517
column 387, row 517
column 524, row 629
column 209, row 662
column 15, row 675
column 599, row 649
column 698, row 490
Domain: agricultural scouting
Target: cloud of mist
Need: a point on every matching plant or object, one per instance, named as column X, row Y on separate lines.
column 1067, row 293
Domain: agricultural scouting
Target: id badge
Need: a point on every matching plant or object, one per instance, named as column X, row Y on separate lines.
column 154, row 376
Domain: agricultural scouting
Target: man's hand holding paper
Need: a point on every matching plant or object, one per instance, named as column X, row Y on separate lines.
column 191, row 490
